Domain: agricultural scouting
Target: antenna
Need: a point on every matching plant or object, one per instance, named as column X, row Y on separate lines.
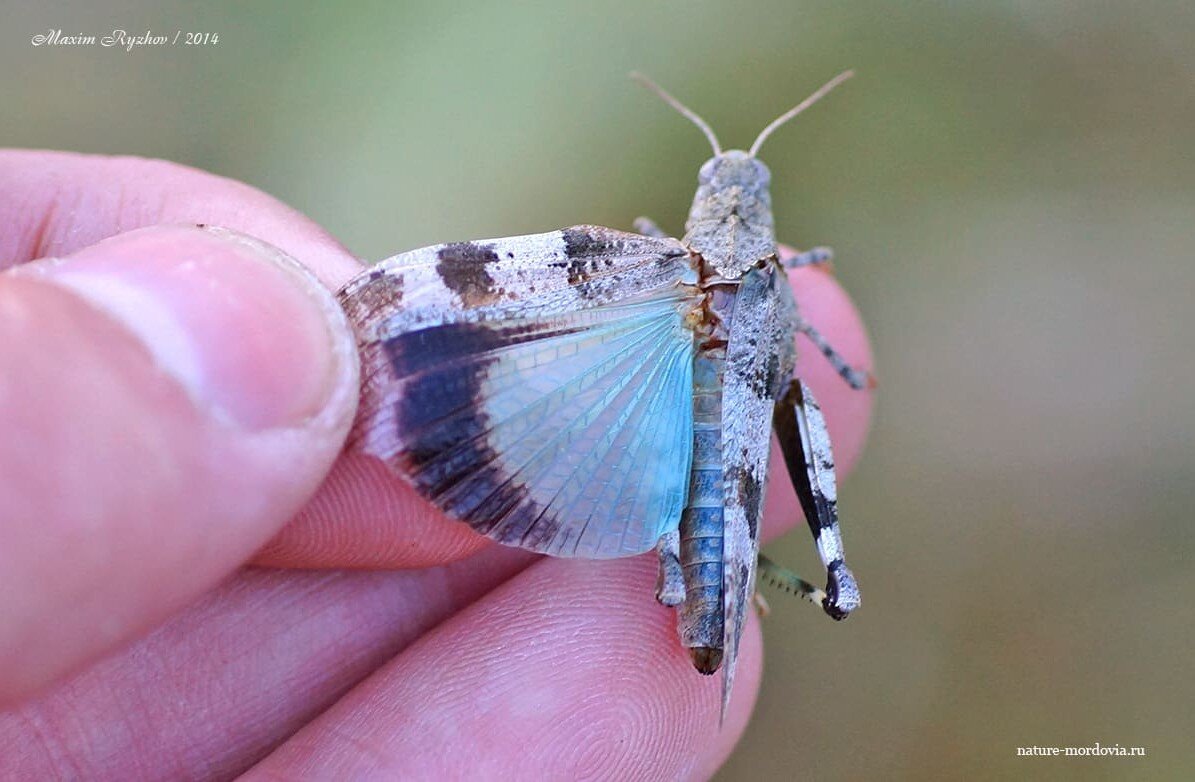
column 795, row 110
column 682, row 108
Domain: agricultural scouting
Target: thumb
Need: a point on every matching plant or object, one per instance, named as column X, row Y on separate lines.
column 169, row 398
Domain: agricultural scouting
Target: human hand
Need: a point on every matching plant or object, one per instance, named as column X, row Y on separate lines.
column 172, row 397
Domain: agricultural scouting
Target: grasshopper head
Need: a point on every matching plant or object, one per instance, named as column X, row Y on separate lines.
column 730, row 223
column 734, row 168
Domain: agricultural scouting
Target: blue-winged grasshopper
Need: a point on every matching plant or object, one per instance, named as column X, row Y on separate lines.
column 589, row 392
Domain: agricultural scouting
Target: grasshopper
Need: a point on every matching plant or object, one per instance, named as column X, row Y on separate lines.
column 590, row 392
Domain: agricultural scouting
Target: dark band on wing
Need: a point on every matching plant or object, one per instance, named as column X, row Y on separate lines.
column 442, row 425
column 418, row 351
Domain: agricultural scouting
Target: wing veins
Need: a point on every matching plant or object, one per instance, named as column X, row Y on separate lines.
column 619, row 358
column 638, row 395
column 602, row 402
column 640, row 334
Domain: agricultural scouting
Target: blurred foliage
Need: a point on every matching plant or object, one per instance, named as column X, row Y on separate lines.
column 1010, row 187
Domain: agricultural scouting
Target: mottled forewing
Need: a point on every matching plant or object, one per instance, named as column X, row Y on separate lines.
column 534, row 387
column 753, row 367
column 512, row 277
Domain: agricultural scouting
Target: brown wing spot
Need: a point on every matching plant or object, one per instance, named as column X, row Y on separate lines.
column 579, row 243
column 462, row 267
column 578, row 271
column 587, row 253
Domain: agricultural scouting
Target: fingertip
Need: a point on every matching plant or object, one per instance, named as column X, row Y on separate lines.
column 160, row 425
column 251, row 335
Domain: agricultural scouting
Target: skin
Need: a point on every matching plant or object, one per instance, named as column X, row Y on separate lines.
column 140, row 634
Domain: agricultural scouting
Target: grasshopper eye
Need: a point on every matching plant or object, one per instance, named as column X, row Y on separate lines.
column 763, row 175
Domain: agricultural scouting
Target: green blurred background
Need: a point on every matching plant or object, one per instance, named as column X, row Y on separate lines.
column 1010, row 187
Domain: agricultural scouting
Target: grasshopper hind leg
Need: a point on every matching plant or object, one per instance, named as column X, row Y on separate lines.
column 801, row 430
column 768, row 572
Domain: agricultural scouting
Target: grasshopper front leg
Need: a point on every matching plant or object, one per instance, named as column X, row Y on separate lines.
column 857, row 379
column 818, row 256
column 648, row 227
column 801, row 430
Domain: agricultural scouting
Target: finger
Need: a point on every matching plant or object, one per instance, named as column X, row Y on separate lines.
column 216, row 688
column 171, row 396
column 364, row 516
column 54, row 203
column 567, row 671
